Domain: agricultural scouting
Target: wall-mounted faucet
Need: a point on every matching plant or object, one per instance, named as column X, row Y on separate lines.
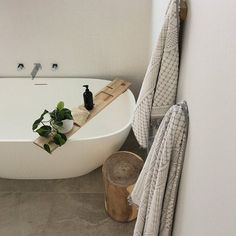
column 37, row 67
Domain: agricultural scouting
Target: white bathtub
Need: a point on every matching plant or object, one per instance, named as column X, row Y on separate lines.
column 23, row 100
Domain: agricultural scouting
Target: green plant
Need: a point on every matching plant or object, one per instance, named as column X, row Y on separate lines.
column 50, row 128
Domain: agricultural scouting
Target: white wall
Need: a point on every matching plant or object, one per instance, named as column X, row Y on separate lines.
column 207, row 200
column 91, row 38
column 158, row 15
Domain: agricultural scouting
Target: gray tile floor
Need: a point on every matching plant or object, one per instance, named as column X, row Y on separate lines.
column 69, row 207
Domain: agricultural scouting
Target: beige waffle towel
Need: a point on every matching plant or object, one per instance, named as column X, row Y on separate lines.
column 159, row 86
column 155, row 191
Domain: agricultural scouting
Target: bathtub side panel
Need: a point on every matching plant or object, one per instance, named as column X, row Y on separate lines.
column 24, row 160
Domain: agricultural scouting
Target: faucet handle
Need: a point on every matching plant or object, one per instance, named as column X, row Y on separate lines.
column 20, row 66
column 54, row 67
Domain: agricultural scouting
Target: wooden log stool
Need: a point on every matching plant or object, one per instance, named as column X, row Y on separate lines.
column 120, row 173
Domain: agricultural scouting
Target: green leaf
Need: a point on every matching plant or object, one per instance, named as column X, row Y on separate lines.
column 58, row 123
column 66, row 114
column 44, row 131
column 63, row 136
column 60, row 105
column 47, row 148
column 36, row 124
column 59, row 139
column 53, row 114
column 38, row 121
column 60, row 115
column 44, row 113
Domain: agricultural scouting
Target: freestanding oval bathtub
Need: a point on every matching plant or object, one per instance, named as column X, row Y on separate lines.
column 23, row 100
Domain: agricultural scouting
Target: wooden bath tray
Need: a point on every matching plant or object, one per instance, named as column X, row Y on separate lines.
column 102, row 99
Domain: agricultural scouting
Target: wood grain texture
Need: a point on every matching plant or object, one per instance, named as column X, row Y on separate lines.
column 120, row 173
column 102, row 99
column 183, row 10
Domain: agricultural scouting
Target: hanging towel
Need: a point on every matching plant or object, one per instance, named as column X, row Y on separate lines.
column 155, row 191
column 158, row 91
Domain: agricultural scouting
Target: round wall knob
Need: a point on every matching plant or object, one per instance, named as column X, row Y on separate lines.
column 20, row 66
column 54, row 66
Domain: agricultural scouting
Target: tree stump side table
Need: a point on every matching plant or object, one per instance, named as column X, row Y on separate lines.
column 120, row 173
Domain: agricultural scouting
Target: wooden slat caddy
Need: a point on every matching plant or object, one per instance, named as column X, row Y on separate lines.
column 102, row 99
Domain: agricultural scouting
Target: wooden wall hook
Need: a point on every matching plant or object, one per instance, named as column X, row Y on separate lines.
column 183, row 10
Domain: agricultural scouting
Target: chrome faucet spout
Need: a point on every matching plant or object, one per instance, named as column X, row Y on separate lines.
column 37, row 67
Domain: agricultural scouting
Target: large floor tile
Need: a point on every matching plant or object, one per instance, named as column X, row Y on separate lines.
column 83, row 214
column 34, row 211
column 9, row 214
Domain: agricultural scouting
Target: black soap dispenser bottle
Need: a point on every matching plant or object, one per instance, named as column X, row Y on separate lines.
column 88, row 98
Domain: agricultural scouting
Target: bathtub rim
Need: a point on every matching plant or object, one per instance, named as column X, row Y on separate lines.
column 71, row 139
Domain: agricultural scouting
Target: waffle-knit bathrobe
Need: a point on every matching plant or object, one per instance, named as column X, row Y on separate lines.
column 158, row 91
column 156, row 189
